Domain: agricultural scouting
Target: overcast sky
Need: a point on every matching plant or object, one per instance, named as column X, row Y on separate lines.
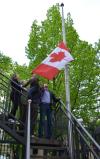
column 16, row 17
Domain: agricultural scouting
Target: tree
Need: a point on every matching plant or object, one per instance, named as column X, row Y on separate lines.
column 22, row 71
column 84, row 81
column 5, row 63
column 84, row 71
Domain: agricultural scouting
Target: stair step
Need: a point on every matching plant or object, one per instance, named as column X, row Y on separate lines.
column 47, row 157
column 9, row 129
column 20, row 132
column 58, row 148
column 2, row 116
column 45, row 142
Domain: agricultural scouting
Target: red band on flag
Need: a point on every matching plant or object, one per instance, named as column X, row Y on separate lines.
column 62, row 45
column 46, row 71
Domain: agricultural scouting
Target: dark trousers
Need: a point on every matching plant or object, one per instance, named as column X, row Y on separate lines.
column 45, row 112
column 23, row 112
column 34, row 114
column 15, row 104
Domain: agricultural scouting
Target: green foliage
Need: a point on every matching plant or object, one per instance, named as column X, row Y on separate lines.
column 44, row 38
column 71, row 34
column 5, row 63
column 22, row 71
column 84, row 71
column 84, row 81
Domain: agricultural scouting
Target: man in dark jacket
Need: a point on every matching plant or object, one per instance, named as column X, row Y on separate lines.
column 47, row 100
column 34, row 95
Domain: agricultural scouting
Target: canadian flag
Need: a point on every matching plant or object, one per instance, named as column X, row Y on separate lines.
column 56, row 61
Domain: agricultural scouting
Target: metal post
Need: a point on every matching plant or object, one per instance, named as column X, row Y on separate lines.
column 70, row 141
column 28, row 131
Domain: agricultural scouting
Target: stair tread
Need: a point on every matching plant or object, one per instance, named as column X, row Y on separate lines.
column 60, row 148
column 44, row 141
column 48, row 157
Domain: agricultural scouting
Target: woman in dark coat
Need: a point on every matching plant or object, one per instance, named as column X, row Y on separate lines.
column 15, row 93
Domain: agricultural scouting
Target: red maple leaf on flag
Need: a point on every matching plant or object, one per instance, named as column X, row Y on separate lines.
column 57, row 57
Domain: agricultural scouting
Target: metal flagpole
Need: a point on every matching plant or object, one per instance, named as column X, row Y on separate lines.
column 70, row 141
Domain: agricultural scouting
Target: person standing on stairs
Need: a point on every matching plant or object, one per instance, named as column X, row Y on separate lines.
column 34, row 95
column 47, row 100
column 15, row 94
column 24, row 103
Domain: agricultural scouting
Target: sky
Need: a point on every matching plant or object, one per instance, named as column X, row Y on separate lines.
column 17, row 16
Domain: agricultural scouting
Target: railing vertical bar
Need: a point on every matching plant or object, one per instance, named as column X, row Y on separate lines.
column 28, row 131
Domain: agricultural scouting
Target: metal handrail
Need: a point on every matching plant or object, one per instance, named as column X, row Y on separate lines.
column 79, row 127
column 5, row 87
column 82, row 127
column 12, row 86
column 13, row 82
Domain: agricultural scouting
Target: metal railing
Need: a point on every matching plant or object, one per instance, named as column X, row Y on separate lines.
column 84, row 145
column 13, row 130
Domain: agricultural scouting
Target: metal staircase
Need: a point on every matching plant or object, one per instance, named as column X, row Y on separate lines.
column 13, row 134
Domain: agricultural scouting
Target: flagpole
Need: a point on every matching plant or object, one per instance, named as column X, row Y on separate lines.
column 70, row 143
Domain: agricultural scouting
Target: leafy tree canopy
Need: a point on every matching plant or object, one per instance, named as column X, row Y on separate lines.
column 84, row 70
column 5, row 63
